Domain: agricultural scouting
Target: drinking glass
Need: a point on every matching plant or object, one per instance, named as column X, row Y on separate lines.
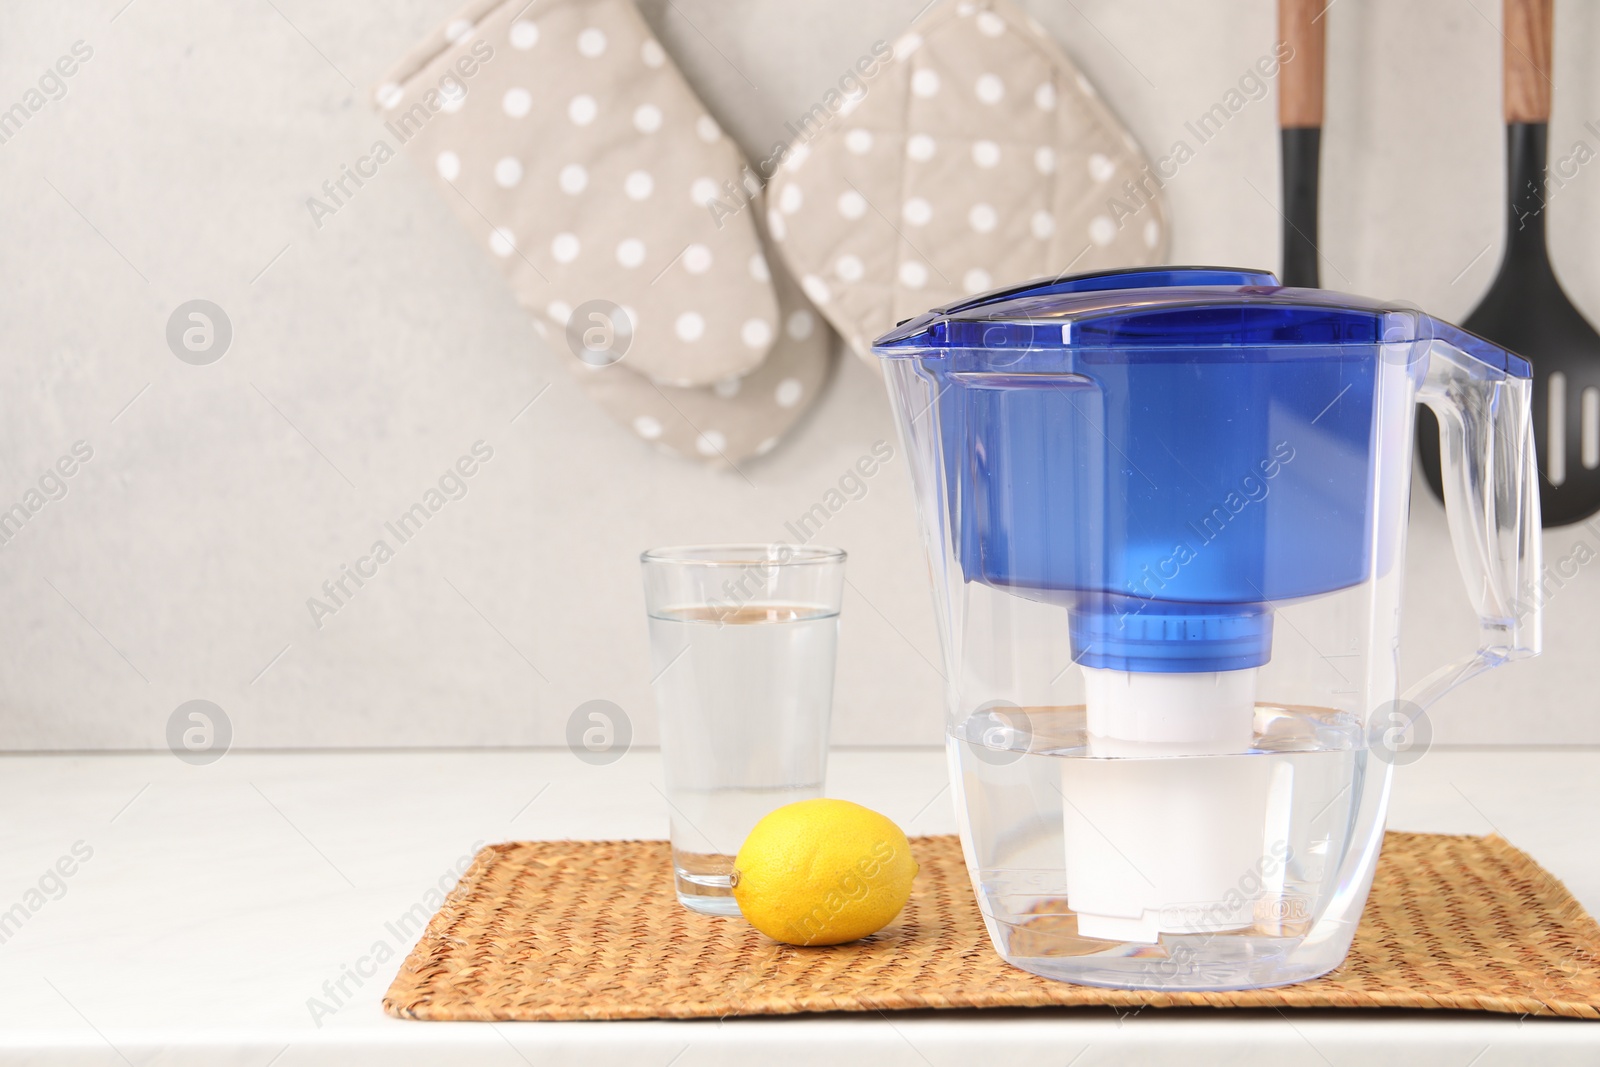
column 742, row 647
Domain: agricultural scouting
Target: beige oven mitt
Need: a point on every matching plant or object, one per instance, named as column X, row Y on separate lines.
column 736, row 417
column 979, row 157
column 562, row 135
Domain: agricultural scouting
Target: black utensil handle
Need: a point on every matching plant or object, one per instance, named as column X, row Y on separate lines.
column 1301, row 26
column 1526, row 156
column 1302, row 153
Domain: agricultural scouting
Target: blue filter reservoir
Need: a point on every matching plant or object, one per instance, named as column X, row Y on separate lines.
column 1099, row 457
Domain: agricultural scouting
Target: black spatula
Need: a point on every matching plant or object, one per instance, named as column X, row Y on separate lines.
column 1300, row 84
column 1525, row 309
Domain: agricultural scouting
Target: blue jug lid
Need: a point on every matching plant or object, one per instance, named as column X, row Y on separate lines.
column 1112, row 314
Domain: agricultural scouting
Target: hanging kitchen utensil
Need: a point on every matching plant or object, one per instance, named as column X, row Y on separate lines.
column 1301, row 27
column 1525, row 309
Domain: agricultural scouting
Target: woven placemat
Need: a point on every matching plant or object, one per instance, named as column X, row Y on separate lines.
column 592, row 930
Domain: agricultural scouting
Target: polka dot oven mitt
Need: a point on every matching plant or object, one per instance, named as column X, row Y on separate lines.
column 736, row 417
column 578, row 154
column 979, row 157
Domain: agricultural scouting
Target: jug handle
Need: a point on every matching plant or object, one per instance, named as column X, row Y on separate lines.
column 1483, row 397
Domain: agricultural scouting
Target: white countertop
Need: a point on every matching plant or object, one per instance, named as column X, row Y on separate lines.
column 216, row 902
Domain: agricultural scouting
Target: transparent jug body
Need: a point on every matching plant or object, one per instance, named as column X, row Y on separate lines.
column 1212, row 822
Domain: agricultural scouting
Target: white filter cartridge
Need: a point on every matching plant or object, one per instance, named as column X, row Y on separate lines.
column 1159, row 842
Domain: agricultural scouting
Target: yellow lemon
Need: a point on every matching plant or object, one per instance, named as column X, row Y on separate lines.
column 821, row 872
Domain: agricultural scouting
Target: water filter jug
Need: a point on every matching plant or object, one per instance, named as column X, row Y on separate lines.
column 1165, row 512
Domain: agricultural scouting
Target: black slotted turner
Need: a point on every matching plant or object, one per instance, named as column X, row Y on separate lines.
column 1525, row 309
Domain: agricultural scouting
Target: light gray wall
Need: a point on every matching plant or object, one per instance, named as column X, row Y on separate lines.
column 373, row 352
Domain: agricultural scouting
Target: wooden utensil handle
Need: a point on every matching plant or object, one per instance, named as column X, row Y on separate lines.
column 1528, row 34
column 1301, row 25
